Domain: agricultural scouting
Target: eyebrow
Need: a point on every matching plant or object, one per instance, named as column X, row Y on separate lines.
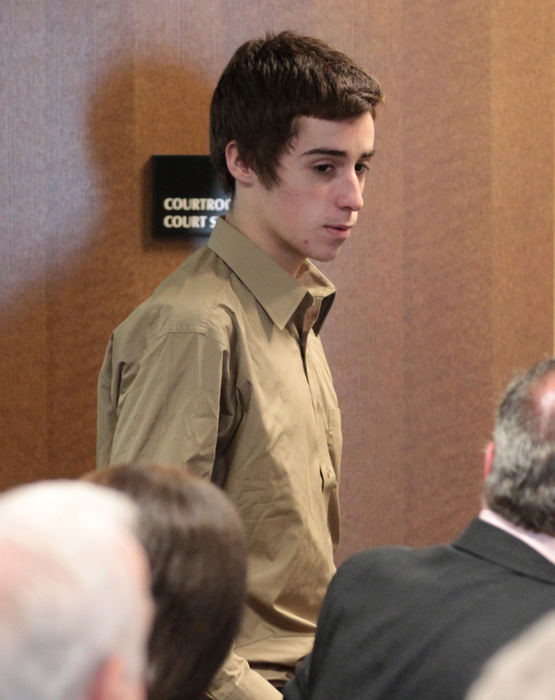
column 336, row 153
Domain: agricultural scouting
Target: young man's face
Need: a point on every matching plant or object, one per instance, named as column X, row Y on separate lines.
column 311, row 211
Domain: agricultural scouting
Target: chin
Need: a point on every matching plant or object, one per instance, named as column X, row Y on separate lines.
column 328, row 255
column 322, row 260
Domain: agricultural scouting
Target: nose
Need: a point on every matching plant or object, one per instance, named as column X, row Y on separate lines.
column 350, row 193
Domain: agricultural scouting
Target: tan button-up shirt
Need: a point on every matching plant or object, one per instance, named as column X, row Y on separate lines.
column 222, row 371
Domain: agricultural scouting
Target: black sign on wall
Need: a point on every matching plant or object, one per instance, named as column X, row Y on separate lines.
column 187, row 199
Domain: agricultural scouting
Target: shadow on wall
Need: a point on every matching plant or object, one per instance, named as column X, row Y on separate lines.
column 96, row 261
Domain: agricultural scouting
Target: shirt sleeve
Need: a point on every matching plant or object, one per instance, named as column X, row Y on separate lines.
column 236, row 680
column 172, row 406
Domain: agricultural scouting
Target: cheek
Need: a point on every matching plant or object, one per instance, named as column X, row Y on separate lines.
column 294, row 191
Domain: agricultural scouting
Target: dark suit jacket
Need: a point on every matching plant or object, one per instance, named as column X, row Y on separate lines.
column 417, row 624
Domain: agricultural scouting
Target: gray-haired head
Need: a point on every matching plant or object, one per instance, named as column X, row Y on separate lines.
column 73, row 590
column 521, row 484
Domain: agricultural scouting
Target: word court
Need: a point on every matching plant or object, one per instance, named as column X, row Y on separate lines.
column 193, row 204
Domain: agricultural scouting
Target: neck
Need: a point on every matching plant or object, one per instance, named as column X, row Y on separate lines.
column 286, row 259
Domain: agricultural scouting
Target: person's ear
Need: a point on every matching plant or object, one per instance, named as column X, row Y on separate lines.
column 241, row 171
column 489, row 456
column 110, row 683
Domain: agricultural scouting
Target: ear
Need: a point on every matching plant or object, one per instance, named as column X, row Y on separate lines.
column 110, row 683
column 488, row 459
column 241, row 171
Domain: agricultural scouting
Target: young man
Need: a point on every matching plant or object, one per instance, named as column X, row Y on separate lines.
column 222, row 370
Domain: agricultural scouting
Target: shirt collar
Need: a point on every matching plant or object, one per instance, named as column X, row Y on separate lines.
column 542, row 543
column 277, row 291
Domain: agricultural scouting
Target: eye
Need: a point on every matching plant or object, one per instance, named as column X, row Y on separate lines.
column 323, row 167
column 361, row 168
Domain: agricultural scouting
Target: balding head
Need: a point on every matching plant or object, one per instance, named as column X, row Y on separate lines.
column 521, row 484
column 542, row 405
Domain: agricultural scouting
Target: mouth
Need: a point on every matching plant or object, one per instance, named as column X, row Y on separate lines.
column 339, row 230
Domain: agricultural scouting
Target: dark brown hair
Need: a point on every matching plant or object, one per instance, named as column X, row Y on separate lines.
column 268, row 84
column 194, row 541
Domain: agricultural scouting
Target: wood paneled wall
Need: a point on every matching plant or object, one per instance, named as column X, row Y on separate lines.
column 445, row 290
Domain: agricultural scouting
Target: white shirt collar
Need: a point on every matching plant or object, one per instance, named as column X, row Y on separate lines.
column 542, row 543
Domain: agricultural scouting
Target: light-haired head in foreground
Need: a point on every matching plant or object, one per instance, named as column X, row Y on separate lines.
column 75, row 607
column 522, row 670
